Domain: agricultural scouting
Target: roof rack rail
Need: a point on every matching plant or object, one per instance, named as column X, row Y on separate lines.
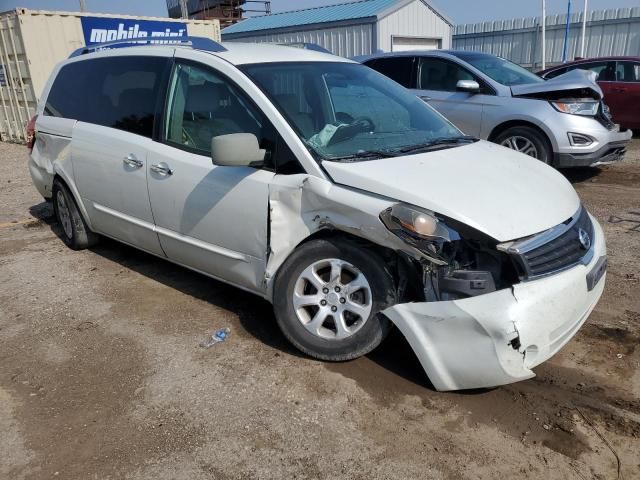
column 197, row 43
column 306, row 46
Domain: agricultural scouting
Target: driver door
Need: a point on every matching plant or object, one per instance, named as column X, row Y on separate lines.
column 210, row 218
column 437, row 79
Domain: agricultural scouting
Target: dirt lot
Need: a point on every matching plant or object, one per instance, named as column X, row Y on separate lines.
column 101, row 375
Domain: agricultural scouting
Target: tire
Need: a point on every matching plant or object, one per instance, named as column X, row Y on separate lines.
column 75, row 233
column 357, row 302
column 526, row 140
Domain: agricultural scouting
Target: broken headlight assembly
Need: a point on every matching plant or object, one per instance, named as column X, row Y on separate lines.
column 458, row 261
column 588, row 108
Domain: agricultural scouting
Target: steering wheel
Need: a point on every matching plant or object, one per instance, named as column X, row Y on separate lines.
column 346, row 132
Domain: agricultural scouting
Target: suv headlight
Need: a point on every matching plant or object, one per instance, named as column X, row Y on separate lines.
column 420, row 229
column 588, row 108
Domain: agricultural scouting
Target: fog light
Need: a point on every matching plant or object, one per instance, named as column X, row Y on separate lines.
column 579, row 140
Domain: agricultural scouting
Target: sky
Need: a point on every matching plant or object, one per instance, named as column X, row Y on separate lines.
column 459, row 11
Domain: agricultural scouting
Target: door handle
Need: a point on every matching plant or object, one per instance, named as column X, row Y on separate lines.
column 132, row 161
column 425, row 98
column 162, row 169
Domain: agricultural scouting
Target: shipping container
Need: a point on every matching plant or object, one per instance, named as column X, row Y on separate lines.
column 32, row 42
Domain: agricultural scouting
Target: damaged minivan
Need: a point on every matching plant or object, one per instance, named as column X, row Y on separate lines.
column 328, row 189
column 563, row 121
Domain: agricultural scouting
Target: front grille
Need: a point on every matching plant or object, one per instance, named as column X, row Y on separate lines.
column 556, row 249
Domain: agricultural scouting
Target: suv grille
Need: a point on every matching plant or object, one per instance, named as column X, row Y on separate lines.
column 556, row 249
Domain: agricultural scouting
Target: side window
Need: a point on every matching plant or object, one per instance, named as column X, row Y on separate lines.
column 399, row 69
column 628, row 72
column 439, row 74
column 606, row 71
column 203, row 105
column 557, row 73
column 117, row 92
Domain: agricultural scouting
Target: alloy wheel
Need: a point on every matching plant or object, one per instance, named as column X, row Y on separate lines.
column 332, row 299
column 522, row 145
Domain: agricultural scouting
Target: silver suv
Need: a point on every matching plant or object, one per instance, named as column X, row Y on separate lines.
column 562, row 121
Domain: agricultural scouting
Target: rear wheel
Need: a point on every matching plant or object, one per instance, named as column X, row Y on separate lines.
column 526, row 140
column 75, row 233
column 328, row 298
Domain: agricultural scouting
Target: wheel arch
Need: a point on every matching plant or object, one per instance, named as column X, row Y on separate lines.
column 500, row 128
column 398, row 264
column 64, row 179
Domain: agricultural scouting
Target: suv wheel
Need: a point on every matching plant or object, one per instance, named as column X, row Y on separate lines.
column 328, row 295
column 75, row 233
column 526, row 140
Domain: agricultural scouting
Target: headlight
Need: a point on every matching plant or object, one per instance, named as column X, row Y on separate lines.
column 577, row 108
column 419, row 228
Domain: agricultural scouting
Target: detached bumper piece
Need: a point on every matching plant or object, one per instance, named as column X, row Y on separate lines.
column 498, row 338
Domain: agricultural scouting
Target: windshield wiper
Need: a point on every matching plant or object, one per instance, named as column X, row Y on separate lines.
column 364, row 155
column 439, row 143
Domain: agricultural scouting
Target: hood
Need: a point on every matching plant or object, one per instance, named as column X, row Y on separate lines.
column 574, row 80
column 502, row 193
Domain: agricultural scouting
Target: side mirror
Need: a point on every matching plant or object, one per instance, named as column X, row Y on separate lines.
column 470, row 86
column 236, row 150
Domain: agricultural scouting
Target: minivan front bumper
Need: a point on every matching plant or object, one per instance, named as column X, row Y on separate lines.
column 498, row 338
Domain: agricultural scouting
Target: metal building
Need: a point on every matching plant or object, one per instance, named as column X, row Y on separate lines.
column 355, row 28
column 609, row 32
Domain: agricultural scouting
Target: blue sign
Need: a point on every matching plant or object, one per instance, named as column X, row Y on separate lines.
column 101, row 29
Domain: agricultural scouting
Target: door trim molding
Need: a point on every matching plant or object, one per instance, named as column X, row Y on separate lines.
column 174, row 235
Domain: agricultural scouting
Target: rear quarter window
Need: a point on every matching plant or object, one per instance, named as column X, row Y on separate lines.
column 398, row 69
column 116, row 92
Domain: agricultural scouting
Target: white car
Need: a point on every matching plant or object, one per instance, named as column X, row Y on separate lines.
column 328, row 189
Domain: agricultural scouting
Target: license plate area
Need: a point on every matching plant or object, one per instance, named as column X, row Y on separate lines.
column 596, row 273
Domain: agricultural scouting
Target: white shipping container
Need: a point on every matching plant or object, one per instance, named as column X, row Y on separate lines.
column 32, row 42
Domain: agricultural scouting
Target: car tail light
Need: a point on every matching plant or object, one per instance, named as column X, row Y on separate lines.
column 31, row 133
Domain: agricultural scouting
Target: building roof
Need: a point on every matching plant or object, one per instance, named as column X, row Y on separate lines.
column 331, row 13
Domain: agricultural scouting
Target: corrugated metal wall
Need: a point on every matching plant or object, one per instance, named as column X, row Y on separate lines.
column 346, row 41
column 609, row 32
column 32, row 42
column 413, row 20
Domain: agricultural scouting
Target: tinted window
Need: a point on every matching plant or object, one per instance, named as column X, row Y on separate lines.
column 556, row 73
column 628, row 72
column 439, row 74
column 605, row 71
column 117, row 92
column 398, row 69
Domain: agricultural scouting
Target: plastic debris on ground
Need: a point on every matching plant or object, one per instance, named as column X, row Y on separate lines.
column 216, row 337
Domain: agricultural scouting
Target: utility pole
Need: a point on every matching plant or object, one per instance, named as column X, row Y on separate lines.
column 584, row 28
column 83, row 6
column 184, row 9
column 544, row 39
column 566, row 33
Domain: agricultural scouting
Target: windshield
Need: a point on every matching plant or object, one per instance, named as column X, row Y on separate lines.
column 499, row 69
column 346, row 110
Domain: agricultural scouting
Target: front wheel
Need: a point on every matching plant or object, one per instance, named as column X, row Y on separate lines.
column 526, row 140
column 328, row 296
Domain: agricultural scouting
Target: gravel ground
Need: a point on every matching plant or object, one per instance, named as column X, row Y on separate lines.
column 101, row 375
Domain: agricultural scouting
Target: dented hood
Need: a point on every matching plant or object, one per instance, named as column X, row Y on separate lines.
column 506, row 195
column 573, row 80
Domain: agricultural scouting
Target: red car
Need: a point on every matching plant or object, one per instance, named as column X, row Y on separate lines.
column 619, row 79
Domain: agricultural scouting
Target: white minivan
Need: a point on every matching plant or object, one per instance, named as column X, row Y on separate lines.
column 328, row 189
